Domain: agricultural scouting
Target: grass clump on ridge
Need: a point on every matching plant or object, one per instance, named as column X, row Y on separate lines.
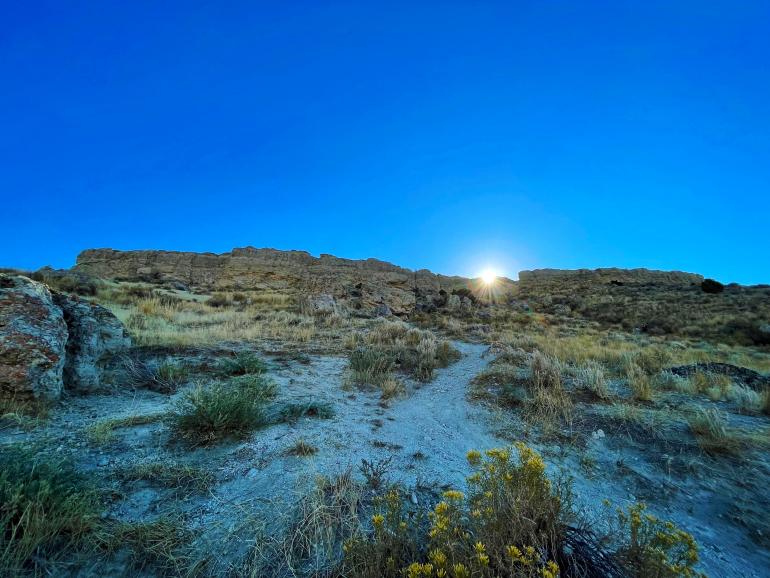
column 230, row 409
column 46, row 509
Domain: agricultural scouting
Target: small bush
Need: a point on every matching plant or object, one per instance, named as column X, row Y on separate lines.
column 230, row 409
column 241, row 363
column 165, row 378
column 46, row 509
column 391, row 388
column 711, row 286
column 511, row 522
column 218, row 300
column 653, row 547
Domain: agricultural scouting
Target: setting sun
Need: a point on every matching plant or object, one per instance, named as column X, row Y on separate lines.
column 488, row 276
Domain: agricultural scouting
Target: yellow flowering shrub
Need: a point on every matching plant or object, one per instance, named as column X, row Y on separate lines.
column 505, row 527
column 654, row 548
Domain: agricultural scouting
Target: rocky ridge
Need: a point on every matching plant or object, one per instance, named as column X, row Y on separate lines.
column 367, row 284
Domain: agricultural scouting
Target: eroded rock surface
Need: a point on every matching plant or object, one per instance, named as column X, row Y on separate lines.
column 33, row 336
column 95, row 334
column 52, row 341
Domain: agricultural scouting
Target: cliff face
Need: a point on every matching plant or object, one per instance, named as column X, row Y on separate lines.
column 366, row 282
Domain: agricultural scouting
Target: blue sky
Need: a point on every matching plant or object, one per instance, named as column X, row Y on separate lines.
column 451, row 135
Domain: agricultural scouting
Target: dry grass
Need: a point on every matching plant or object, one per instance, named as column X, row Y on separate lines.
column 104, row 431
column 590, row 376
column 640, row 383
column 391, row 346
column 312, row 545
column 183, row 479
column 549, row 405
column 710, row 429
column 48, row 510
column 184, row 319
column 301, row 448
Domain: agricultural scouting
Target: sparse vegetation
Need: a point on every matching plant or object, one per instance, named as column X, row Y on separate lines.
column 549, row 405
column 46, row 509
column 181, row 478
column 392, row 345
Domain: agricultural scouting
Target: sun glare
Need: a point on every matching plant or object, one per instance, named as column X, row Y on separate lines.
column 488, row 276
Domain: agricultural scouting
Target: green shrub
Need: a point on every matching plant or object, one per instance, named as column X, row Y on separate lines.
column 242, row 363
column 46, row 509
column 231, row 409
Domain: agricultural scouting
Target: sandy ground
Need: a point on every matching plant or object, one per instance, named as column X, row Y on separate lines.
column 426, row 435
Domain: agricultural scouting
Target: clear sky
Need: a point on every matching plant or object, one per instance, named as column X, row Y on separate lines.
column 448, row 135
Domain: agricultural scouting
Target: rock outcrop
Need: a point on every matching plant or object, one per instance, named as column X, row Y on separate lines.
column 361, row 284
column 94, row 335
column 33, row 338
column 52, row 341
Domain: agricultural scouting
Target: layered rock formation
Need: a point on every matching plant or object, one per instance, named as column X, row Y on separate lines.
column 363, row 284
column 51, row 341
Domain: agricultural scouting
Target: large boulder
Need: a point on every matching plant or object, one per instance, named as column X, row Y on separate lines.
column 33, row 336
column 95, row 335
column 52, row 341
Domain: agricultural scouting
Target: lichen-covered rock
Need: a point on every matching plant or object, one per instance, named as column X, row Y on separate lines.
column 52, row 341
column 95, row 334
column 33, row 337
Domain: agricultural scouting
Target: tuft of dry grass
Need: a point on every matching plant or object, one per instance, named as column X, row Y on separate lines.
column 640, row 383
column 104, row 431
column 710, row 429
column 181, row 478
column 549, row 405
column 301, row 448
column 590, row 375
